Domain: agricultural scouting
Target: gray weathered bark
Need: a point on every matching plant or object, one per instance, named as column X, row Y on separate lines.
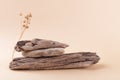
column 65, row 61
column 43, row 52
column 35, row 44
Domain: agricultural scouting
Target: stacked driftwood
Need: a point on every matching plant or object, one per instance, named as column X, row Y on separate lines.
column 47, row 54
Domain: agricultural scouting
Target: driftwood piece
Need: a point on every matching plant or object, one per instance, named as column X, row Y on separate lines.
column 43, row 52
column 28, row 45
column 65, row 61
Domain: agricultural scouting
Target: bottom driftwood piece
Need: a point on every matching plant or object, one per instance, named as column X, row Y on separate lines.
column 65, row 61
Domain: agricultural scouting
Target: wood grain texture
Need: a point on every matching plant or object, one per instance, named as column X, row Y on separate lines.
column 65, row 61
column 44, row 52
column 35, row 44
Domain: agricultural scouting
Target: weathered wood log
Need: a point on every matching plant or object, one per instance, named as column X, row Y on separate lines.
column 43, row 52
column 65, row 61
column 29, row 45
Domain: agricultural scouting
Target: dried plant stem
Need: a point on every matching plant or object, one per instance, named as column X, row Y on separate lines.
column 26, row 23
column 13, row 54
column 21, row 35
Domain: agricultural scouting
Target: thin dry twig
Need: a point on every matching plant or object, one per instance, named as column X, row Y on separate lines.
column 25, row 25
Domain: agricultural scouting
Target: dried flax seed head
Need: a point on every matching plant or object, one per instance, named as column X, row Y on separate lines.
column 21, row 14
column 27, row 19
column 30, row 15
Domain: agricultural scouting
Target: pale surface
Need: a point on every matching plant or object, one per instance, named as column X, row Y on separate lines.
column 86, row 25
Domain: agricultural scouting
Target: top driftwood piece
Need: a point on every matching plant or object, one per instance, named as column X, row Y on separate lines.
column 29, row 45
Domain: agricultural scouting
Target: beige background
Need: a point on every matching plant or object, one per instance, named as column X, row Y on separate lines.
column 87, row 25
